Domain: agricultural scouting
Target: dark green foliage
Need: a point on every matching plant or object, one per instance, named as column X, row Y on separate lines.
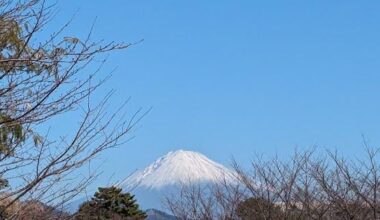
column 110, row 203
column 10, row 133
column 11, row 47
column 19, row 59
column 24, row 70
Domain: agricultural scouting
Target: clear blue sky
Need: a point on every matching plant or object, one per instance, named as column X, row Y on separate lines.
column 238, row 78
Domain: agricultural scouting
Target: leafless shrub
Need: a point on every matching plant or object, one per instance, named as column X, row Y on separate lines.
column 206, row 202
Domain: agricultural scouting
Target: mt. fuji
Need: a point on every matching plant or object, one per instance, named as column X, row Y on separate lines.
column 169, row 173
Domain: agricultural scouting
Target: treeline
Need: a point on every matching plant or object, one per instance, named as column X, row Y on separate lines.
column 306, row 186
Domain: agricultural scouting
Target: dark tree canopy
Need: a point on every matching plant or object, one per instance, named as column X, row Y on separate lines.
column 110, row 203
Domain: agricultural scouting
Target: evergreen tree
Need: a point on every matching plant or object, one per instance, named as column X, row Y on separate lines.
column 110, row 203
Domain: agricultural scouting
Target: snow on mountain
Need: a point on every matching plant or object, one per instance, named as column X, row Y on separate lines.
column 178, row 167
column 169, row 172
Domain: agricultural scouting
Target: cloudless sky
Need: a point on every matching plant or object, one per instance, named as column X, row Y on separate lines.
column 239, row 78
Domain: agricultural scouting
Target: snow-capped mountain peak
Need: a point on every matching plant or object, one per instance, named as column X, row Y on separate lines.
column 178, row 167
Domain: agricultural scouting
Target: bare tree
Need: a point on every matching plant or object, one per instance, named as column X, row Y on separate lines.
column 206, row 202
column 40, row 80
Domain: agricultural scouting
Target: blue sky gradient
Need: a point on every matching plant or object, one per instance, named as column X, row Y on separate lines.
column 239, row 78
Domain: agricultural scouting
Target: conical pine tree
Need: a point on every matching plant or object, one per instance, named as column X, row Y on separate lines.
column 110, row 203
